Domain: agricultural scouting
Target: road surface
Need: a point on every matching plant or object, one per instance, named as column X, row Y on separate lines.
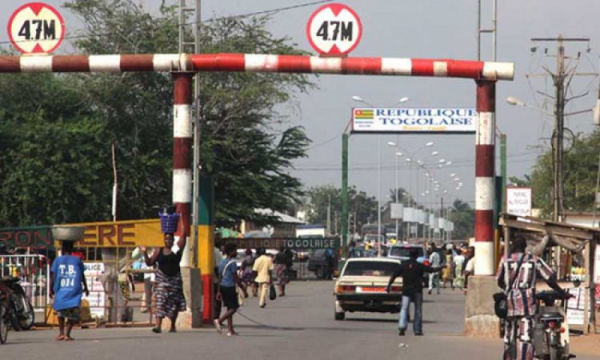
column 298, row 326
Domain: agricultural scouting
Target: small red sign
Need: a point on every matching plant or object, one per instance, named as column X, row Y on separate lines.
column 334, row 29
column 36, row 28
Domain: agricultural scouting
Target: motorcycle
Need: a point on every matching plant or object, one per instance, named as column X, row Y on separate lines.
column 18, row 308
column 550, row 335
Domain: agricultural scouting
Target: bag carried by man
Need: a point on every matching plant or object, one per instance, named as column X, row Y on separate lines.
column 272, row 293
column 501, row 298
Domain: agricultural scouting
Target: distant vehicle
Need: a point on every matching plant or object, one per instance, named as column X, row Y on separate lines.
column 362, row 287
column 369, row 229
column 308, row 231
column 402, row 252
column 318, row 261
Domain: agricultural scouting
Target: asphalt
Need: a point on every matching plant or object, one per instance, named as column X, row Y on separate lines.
column 298, row 326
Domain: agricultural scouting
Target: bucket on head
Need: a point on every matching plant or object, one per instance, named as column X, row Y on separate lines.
column 168, row 222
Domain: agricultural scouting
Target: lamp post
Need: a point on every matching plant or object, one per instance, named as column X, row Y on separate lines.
column 410, row 158
column 400, row 101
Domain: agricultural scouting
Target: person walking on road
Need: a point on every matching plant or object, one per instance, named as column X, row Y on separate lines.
column 329, row 264
column 169, row 286
column 434, row 278
column 412, row 273
column 470, row 266
column 248, row 274
column 226, row 291
column 448, row 270
column 263, row 266
column 281, row 269
column 517, row 276
column 67, row 284
column 459, row 276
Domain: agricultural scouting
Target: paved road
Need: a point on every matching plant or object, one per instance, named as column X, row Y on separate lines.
column 298, row 326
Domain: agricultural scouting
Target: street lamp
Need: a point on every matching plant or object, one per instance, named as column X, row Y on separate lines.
column 399, row 101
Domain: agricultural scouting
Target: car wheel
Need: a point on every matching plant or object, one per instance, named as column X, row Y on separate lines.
column 320, row 273
column 340, row 316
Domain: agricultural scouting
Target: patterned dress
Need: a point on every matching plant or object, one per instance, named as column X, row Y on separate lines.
column 521, row 302
column 169, row 286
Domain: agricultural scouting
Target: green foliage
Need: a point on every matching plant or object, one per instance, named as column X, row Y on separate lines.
column 463, row 217
column 580, row 173
column 55, row 161
column 403, row 196
column 361, row 207
column 51, row 150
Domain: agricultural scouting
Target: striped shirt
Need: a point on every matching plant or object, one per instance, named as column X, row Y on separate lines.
column 521, row 296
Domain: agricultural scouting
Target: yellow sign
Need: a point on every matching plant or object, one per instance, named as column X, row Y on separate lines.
column 122, row 234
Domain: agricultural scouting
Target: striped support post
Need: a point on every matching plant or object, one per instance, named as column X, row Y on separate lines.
column 182, row 150
column 206, row 246
column 484, row 177
column 478, row 70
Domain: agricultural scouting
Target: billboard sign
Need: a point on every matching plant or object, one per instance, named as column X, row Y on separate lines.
column 518, row 201
column 414, row 120
column 291, row 243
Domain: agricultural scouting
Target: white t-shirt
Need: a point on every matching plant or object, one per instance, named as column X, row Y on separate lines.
column 470, row 265
column 459, row 260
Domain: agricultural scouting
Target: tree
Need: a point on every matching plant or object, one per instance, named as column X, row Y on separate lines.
column 53, row 153
column 580, row 175
column 361, row 207
column 403, row 196
column 463, row 217
column 240, row 147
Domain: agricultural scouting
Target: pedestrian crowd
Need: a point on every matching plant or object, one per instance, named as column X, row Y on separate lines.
column 255, row 273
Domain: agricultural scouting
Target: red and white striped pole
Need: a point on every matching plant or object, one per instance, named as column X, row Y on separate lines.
column 182, row 150
column 478, row 70
column 484, row 177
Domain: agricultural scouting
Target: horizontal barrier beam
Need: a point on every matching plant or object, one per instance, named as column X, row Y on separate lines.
column 259, row 63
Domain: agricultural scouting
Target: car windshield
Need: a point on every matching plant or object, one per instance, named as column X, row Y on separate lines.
column 370, row 268
column 404, row 252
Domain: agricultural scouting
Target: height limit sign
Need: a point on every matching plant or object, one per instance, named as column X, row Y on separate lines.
column 36, row 28
column 334, row 30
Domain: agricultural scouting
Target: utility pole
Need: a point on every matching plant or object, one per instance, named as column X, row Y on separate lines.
column 493, row 30
column 561, row 79
column 345, row 220
column 329, row 215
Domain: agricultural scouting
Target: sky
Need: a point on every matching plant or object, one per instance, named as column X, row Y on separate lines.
column 445, row 29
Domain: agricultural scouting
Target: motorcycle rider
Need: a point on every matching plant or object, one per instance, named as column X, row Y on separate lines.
column 521, row 299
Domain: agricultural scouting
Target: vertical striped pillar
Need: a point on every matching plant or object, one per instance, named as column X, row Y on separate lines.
column 206, row 246
column 484, row 177
column 182, row 152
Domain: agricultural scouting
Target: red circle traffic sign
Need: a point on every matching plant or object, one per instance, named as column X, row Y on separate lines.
column 334, row 29
column 36, row 28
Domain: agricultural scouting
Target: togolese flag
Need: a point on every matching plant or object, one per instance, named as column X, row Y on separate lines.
column 363, row 114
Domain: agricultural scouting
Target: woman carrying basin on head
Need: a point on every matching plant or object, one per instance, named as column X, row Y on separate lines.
column 169, row 286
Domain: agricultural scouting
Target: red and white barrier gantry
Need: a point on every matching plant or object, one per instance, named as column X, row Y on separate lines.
column 183, row 67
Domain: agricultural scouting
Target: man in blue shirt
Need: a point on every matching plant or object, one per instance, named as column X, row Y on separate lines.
column 66, row 281
column 226, row 291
